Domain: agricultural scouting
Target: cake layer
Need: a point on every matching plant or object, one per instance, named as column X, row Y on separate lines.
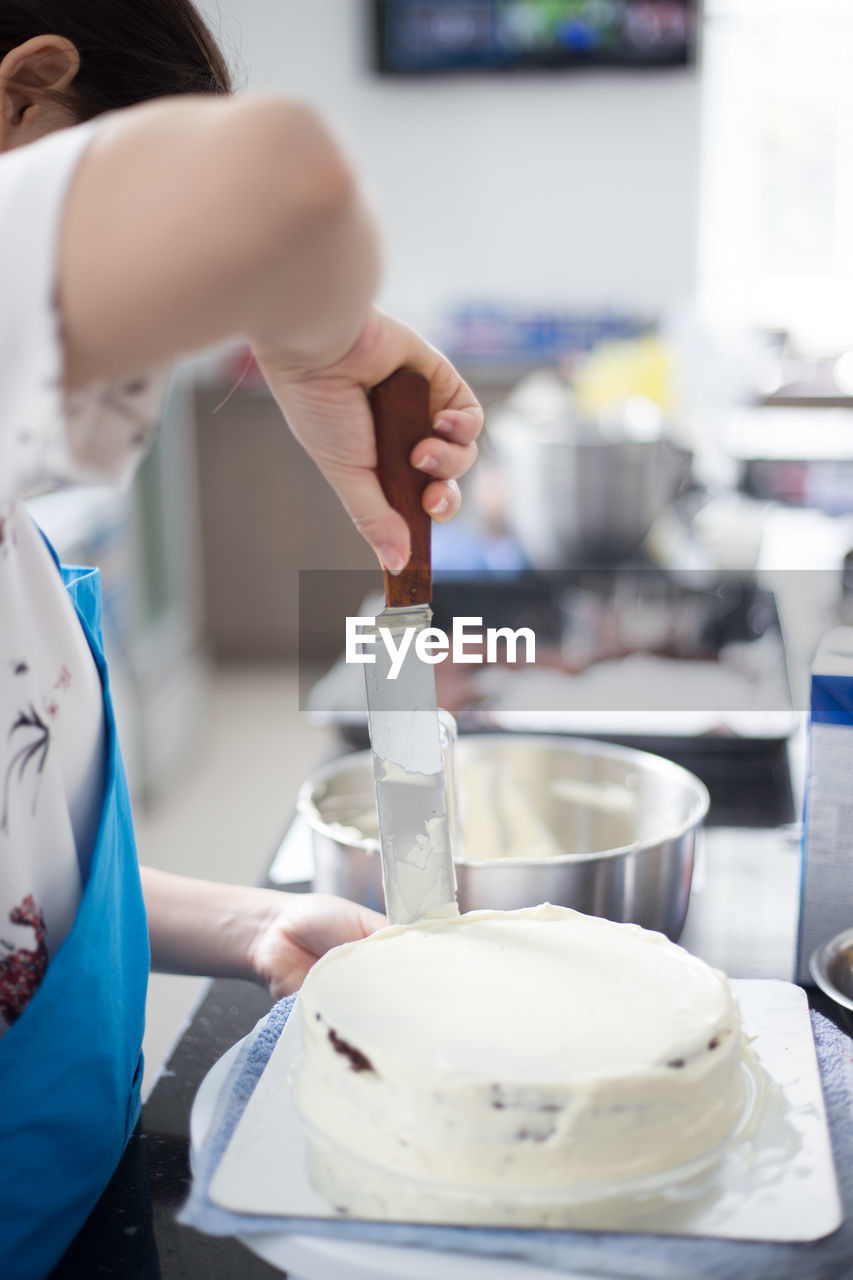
column 524, row 1049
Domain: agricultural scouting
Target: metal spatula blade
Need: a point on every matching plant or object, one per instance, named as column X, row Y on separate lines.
column 418, row 875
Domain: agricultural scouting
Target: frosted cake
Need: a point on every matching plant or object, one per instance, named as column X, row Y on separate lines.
column 510, row 1052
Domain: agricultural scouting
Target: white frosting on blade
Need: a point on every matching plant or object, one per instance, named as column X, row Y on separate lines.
column 518, row 1049
column 391, row 772
column 407, row 738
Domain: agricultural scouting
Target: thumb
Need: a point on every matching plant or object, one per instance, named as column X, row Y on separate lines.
column 370, row 920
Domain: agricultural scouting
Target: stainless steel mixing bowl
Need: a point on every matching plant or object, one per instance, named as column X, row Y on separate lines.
column 617, row 827
column 832, row 968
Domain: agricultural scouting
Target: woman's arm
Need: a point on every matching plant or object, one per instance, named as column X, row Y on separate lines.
column 233, row 931
column 190, row 221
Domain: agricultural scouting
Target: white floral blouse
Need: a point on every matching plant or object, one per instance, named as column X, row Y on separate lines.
column 52, row 735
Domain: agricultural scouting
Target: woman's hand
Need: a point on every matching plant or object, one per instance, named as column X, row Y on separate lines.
column 292, row 260
column 236, row 931
column 302, row 927
column 329, row 413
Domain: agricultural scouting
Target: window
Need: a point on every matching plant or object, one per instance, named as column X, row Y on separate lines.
column 776, row 237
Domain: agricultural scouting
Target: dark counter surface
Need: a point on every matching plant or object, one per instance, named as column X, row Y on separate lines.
column 132, row 1233
column 742, row 918
column 228, row 1012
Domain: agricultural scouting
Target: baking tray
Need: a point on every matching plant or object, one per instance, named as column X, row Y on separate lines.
column 665, row 639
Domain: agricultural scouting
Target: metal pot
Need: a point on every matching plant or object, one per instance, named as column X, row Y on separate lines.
column 574, row 497
column 832, row 968
column 611, row 831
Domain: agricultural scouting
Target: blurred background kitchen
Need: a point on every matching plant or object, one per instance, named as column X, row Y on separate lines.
column 638, row 248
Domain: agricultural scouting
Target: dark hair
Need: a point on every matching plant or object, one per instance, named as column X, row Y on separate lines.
column 130, row 50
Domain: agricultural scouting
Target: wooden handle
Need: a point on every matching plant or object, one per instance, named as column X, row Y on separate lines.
column 401, row 418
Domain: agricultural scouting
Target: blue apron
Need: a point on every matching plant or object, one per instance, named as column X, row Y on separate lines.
column 71, row 1065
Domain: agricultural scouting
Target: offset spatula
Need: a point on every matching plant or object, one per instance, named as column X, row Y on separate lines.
column 414, row 833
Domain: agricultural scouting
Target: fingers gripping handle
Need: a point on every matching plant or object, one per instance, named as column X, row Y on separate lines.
column 401, row 418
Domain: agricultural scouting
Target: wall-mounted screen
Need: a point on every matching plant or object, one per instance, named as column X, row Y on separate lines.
column 419, row 36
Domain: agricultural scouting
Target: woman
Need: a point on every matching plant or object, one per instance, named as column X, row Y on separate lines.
column 124, row 242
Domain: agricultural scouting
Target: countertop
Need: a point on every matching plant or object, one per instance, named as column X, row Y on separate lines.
column 742, row 918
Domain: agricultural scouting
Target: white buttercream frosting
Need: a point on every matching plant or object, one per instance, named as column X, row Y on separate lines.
column 517, row 1050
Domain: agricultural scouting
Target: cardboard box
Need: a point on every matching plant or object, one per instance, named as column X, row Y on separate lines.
column 826, row 903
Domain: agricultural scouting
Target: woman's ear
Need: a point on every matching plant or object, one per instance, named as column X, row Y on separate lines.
column 33, row 78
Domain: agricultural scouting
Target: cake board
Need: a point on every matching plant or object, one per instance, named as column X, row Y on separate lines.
column 262, row 1169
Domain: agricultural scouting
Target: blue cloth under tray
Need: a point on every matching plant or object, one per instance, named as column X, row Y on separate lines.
column 626, row 1257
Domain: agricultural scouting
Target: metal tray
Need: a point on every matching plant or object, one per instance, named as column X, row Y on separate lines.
column 634, row 656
